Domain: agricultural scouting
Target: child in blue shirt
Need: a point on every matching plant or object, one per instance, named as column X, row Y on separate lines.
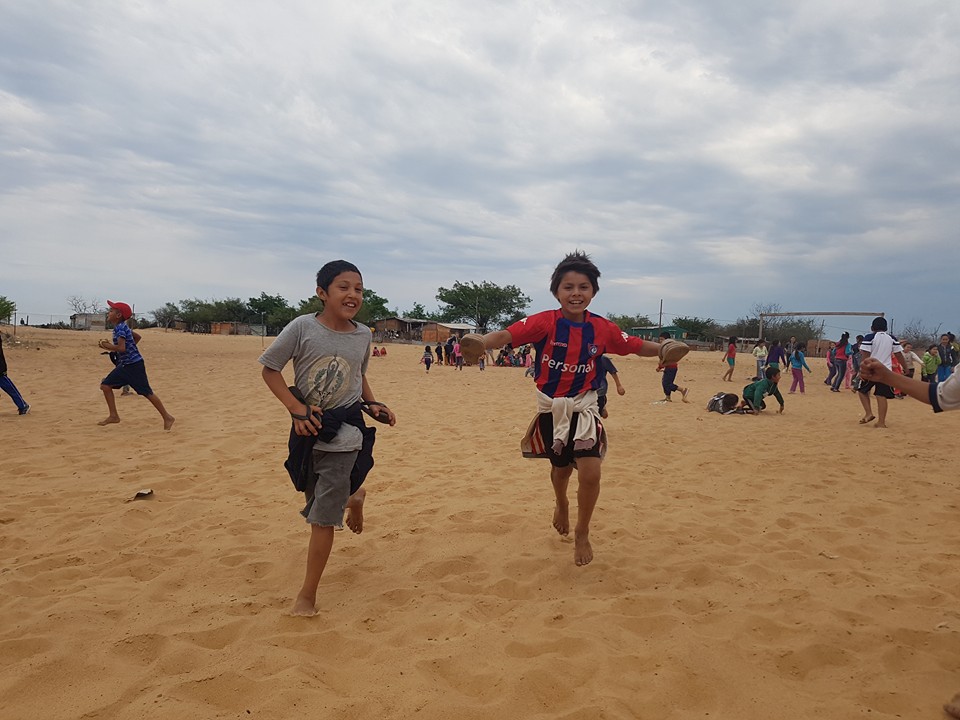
column 797, row 363
column 130, row 369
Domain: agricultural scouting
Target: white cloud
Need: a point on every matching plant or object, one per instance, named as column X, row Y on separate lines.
column 704, row 155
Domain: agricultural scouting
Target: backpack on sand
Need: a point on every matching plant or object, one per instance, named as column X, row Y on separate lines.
column 723, row 403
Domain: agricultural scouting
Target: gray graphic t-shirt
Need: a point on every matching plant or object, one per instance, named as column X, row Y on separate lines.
column 328, row 367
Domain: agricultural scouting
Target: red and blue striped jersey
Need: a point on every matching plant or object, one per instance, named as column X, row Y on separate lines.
column 567, row 352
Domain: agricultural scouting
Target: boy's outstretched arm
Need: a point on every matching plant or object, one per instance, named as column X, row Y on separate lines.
column 473, row 345
column 873, row 370
column 649, row 349
column 306, row 419
column 497, row 338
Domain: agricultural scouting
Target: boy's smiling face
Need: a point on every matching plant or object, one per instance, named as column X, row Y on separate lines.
column 574, row 294
column 342, row 299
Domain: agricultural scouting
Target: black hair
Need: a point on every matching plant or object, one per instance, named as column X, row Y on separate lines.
column 775, row 343
column 932, row 347
column 733, row 340
column 951, row 336
column 665, row 335
column 845, row 337
column 771, row 371
column 879, row 324
column 329, row 272
column 800, row 348
column 578, row 262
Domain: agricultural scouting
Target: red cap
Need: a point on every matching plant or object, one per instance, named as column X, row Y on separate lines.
column 125, row 311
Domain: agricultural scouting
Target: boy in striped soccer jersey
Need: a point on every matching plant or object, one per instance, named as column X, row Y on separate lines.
column 568, row 343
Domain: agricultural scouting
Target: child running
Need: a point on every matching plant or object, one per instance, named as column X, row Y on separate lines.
column 6, row 384
column 606, row 367
column 669, row 377
column 330, row 352
column 568, row 343
column 130, row 369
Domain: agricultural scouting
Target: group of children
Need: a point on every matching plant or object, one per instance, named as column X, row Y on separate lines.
column 129, row 369
column 844, row 362
column 330, row 351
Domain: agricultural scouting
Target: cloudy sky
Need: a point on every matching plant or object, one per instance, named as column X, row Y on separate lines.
column 712, row 155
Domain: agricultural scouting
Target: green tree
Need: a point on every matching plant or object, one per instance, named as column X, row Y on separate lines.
column 625, row 322
column 310, row 306
column 7, row 309
column 374, row 307
column 197, row 314
column 165, row 315
column 272, row 310
column 482, row 304
column 697, row 327
column 230, row 310
column 417, row 312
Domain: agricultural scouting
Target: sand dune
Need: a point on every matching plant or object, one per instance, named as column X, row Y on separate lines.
column 797, row 566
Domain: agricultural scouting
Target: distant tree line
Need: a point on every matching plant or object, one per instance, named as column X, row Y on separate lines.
column 486, row 305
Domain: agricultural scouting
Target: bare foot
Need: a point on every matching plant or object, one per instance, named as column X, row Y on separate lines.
column 582, row 550
column 110, row 420
column 561, row 519
column 303, row 607
column 881, row 425
column 952, row 708
column 354, row 519
column 168, row 422
column 683, row 394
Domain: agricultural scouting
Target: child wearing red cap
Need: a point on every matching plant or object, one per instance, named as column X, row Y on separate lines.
column 130, row 369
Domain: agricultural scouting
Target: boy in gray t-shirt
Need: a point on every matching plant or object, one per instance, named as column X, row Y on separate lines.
column 330, row 352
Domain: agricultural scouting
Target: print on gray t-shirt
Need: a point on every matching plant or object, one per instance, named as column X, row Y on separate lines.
column 328, row 368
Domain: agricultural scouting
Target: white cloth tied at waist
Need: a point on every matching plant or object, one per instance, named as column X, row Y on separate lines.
column 562, row 410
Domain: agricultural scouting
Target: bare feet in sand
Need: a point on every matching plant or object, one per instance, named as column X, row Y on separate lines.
column 561, row 519
column 168, row 422
column 582, row 550
column 354, row 519
column 304, row 607
column 110, row 420
column 952, row 708
column 683, row 394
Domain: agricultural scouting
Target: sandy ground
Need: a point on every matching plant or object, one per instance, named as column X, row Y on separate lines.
column 794, row 566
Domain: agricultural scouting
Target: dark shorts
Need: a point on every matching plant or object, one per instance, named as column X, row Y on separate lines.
column 566, row 456
column 134, row 375
column 879, row 389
